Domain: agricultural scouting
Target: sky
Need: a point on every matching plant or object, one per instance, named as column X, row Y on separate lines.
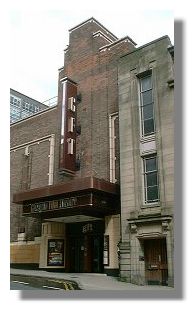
column 38, row 37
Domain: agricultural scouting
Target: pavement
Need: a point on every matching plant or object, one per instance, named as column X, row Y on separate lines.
column 88, row 281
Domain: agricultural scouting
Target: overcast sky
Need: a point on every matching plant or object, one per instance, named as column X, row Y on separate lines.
column 39, row 36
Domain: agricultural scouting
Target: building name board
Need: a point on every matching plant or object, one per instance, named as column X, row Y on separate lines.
column 52, row 205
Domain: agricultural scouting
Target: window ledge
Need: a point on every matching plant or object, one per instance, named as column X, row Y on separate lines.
column 150, row 205
column 150, row 210
column 148, row 138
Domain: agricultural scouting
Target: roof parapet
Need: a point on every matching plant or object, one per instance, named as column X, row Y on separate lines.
column 147, row 44
column 171, row 51
column 99, row 33
column 108, row 46
column 92, row 19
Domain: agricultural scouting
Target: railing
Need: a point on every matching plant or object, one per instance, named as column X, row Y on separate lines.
column 51, row 102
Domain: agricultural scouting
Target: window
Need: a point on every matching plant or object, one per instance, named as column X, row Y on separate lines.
column 26, row 106
column 151, row 179
column 15, row 101
column 31, row 108
column 24, row 114
column 113, row 143
column 147, row 106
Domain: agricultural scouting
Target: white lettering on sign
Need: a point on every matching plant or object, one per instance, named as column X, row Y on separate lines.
column 87, row 227
column 53, row 205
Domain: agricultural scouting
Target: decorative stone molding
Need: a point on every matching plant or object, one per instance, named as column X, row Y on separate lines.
column 124, row 247
column 101, row 34
column 170, row 83
column 165, row 226
column 133, row 228
column 161, row 221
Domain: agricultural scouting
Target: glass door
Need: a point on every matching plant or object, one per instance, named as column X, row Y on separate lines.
column 97, row 254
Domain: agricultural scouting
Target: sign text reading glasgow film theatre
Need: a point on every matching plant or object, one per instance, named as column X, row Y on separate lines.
column 53, row 205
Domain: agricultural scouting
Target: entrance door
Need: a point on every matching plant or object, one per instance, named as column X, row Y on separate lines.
column 86, row 254
column 97, row 257
column 76, row 255
column 156, row 269
column 85, row 247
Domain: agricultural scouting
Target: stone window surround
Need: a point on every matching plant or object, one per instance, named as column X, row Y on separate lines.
column 154, row 203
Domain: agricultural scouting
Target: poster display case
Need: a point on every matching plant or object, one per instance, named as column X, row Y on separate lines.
column 55, row 255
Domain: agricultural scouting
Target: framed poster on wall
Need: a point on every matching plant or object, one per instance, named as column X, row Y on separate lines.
column 55, row 255
column 106, row 250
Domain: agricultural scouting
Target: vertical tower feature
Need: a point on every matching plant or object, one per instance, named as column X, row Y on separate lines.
column 67, row 159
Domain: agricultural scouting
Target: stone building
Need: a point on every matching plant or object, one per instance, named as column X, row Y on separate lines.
column 68, row 166
column 146, row 82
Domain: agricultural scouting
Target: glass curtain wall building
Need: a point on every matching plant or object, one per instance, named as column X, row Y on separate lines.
column 22, row 106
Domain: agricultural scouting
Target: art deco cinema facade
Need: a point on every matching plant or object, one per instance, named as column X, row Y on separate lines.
column 92, row 178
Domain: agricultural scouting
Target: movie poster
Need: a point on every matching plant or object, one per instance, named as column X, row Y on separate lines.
column 55, row 252
column 106, row 250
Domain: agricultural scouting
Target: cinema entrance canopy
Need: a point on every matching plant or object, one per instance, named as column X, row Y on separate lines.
column 79, row 200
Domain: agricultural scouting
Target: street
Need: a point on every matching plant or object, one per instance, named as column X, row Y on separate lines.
column 21, row 282
column 21, row 286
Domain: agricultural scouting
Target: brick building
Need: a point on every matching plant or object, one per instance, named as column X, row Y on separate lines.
column 65, row 177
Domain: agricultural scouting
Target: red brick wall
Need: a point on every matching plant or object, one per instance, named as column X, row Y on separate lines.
column 96, row 75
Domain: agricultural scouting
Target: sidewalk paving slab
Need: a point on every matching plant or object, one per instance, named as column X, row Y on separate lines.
column 90, row 281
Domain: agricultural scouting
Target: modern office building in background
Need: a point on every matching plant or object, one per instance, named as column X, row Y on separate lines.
column 22, row 106
column 92, row 177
